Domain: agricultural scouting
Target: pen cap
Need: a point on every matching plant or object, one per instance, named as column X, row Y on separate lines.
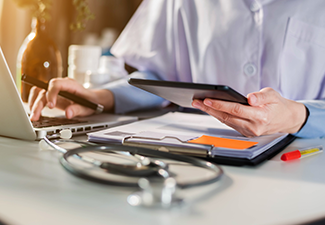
column 291, row 155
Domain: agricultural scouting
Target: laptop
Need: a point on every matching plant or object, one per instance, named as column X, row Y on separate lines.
column 15, row 122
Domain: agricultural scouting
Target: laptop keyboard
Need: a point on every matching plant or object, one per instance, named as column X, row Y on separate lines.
column 54, row 121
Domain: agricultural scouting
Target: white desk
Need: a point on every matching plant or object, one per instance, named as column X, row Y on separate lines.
column 35, row 189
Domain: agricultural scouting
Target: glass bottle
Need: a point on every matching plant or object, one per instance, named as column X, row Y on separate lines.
column 38, row 57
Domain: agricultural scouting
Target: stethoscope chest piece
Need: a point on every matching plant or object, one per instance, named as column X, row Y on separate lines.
column 156, row 193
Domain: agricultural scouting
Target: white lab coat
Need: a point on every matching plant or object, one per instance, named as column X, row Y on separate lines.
column 246, row 44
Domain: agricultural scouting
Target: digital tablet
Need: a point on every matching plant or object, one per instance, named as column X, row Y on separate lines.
column 183, row 93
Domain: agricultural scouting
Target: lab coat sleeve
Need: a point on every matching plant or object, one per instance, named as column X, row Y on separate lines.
column 314, row 127
column 129, row 98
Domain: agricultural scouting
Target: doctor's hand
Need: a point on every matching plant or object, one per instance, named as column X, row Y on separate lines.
column 267, row 113
column 39, row 98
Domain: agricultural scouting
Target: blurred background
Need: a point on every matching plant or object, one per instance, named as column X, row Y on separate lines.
column 111, row 16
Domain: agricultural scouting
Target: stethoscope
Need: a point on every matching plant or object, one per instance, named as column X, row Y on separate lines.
column 148, row 172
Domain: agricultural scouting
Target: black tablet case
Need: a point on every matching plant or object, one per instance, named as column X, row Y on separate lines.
column 183, row 93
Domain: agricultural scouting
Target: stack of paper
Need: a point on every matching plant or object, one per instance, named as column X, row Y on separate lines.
column 190, row 132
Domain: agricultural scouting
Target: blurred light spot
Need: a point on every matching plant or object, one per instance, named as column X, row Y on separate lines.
column 46, row 64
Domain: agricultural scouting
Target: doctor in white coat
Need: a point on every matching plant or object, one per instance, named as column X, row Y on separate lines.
column 270, row 50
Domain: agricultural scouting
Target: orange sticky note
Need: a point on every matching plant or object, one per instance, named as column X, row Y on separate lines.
column 223, row 142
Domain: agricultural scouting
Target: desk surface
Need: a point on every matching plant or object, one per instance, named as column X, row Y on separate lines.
column 35, row 189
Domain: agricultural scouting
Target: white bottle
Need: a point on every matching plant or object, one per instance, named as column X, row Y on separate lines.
column 83, row 59
column 110, row 69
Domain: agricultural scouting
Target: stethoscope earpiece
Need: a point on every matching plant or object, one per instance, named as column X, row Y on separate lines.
column 44, row 146
column 66, row 134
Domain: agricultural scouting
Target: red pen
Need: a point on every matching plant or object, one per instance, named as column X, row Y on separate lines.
column 297, row 154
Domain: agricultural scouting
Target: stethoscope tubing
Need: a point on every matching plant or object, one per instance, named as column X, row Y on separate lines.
column 125, row 170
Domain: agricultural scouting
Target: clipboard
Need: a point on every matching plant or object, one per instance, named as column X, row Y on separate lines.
column 268, row 154
column 148, row 133
column 223, row 160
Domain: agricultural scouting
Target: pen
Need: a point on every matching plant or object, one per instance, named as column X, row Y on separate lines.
column 81, row 101
column 301, row 153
